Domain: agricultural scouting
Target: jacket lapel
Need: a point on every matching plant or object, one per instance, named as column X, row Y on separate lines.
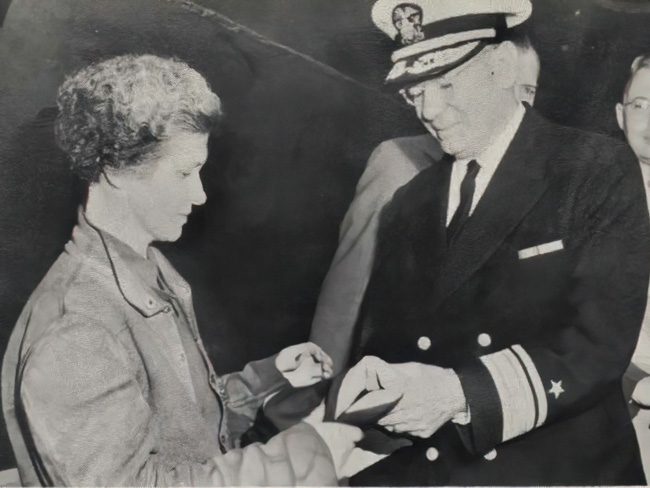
column 430, row 218
column 518, row 183
column 441, row 201
column 179, row 286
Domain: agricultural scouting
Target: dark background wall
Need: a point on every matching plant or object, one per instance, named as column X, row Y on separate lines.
column 300, row 123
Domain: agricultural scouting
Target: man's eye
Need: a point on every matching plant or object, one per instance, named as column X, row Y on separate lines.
column 186, row 174
column 641, row 104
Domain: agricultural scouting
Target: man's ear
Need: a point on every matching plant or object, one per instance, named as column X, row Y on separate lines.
column 407, row 98
column 505, row 65
column 619, row 116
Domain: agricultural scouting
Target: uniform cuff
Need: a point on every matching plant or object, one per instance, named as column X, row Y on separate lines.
column 520, row 388
column 505, row 396
column 486, row 426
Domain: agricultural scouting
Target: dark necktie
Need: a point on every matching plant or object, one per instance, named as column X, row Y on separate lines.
column 461, row 215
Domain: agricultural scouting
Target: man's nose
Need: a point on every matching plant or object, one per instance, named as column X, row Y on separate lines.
column 433, row 103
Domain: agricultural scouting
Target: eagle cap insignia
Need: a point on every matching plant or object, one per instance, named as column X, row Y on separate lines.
column 407, row 19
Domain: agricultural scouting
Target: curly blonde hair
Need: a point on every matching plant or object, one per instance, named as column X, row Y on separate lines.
column 113, row 113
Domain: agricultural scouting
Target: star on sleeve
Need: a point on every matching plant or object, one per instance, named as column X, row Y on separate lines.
column 556, row 388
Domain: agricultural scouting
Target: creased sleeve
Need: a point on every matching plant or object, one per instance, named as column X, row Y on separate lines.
column 91, row 424
column 343, row 288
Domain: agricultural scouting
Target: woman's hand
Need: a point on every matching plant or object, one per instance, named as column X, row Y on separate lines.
column 304, row 364
column 341, row 439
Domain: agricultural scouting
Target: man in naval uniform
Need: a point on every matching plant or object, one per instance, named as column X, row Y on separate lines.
column 345, row 284
column 509, row 280
column 346, row 280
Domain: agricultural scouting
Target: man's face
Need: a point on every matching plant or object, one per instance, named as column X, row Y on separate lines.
column 459, row 108
column 634, row 114
column 161, row 197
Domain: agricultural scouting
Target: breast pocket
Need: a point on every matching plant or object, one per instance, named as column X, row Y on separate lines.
column 542, row 275
column 541, row 249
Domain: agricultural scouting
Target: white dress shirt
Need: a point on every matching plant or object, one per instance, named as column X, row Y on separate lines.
column 488, row 162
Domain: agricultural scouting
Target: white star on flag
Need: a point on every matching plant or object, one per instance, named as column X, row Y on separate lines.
column 556, row 388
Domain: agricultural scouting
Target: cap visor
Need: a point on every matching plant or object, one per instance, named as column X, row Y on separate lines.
column 409, row 78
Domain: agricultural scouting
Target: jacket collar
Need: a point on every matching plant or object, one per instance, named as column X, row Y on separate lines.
column 134, row 275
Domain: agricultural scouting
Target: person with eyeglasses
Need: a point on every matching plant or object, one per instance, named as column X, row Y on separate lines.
column 633, row 116
column 508, row 279
column 379, row 182
column 345, row 283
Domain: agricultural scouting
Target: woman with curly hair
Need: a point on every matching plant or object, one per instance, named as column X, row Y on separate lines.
column 106, row 380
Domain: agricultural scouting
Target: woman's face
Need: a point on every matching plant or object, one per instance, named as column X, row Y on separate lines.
column 161, row 196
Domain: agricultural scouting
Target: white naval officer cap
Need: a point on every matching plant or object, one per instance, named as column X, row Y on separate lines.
column 435, row 36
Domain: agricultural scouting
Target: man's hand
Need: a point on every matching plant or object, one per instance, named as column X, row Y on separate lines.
column 430, row 395
column 304, row 364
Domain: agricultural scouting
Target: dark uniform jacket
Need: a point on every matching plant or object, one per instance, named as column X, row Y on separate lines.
column 537, row 307
column 106, row 382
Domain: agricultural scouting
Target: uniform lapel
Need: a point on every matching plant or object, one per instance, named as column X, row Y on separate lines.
column 518, row 183
column 430, row 219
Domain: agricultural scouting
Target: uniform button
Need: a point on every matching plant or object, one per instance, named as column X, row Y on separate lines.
column 167, row 309
column 484, row 340
column 432, row 454
column 424, row 343
column 492, row 455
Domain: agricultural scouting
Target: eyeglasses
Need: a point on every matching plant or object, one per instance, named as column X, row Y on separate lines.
column 638, row 107
column 412, row 93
